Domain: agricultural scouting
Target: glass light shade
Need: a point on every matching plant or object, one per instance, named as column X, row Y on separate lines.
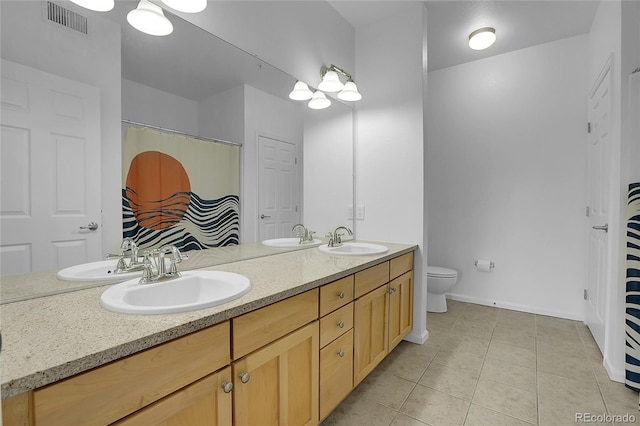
column 186, row 6
column 300, row 92
column 330, row 82
column 319, row 101
column 149, row 19
column 97, row 5
column 350, row 92
column 482, row 38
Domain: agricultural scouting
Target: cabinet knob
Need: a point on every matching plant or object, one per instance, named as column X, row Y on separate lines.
column 393, row 289
column 340, row 353
column 227, row 387
column 341, row 295
column 341, row 324
column 244, row 377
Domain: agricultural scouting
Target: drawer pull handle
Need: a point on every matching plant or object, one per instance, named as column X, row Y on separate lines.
column 244, row 377
column 392, row 290
column 340, row 353
column 341, row 295
column 227, row 387
column 341, row 324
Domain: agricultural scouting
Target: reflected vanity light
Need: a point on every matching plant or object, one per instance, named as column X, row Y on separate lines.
column 150, row 19
column 330, row 83
column 319, row 101
column 97, row 5
column 482, row 38
column 186, row 6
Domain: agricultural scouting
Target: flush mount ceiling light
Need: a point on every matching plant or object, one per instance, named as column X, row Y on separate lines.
column 186, row 6
column 150, row 19
column 482, row 38
column 319, row 101
column 97, row 5
column 301, row 92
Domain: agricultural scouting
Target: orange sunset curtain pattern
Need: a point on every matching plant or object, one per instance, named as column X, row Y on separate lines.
column 179, row 190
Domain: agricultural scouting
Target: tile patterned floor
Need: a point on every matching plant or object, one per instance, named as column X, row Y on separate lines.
column 489, row 366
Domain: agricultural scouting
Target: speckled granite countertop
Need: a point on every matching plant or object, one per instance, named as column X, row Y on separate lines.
column 51, row 338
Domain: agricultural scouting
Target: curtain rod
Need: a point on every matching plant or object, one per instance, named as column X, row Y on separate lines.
column 177, row 132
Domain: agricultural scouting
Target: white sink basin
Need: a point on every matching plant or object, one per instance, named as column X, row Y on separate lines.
column 192, row 291
column 354, row 249
column 96, row 271
column 290, row 242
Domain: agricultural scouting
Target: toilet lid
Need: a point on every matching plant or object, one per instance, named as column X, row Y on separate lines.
column 434, row 271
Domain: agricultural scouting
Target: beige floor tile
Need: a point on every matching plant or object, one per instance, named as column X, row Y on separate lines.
column 404, row 420
column 452, row 381
column 384, row 388
column 514, row 336
column 512, row 354
column 619, row 399
column 556, row 323
column 480, row 416
column 357, row 411
column 434, row 407
column 481, row 330
column 567, row 365
column 459, row 359
column 509, row 374
column 560, row 398
column 506, row 399
column 441, row 321
column 427, row 351
column 404, row 365
column 468, row 344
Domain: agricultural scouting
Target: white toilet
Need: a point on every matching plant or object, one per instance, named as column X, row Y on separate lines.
column 439, row 282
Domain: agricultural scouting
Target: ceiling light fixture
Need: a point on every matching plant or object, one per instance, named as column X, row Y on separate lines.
column 301, row 92
column 319, row 101
column 97, row 5
column 150, row 19
column 186, row 6
column 482, row 38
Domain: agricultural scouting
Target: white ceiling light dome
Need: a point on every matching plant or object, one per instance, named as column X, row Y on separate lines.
column 330, row 82
column 301, row 92
column 97, row 5
column 482, row 38
column 319, row 101
column 350, row 92
column 186, row 6
column 150, row 19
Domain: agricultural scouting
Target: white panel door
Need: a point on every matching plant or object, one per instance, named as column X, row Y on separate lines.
column 278, row 188
column 599, row 172
column 50, row 171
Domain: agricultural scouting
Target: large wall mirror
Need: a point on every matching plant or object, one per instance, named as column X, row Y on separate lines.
column 190, row 82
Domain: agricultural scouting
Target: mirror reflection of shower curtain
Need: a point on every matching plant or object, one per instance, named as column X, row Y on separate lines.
column 179, row 190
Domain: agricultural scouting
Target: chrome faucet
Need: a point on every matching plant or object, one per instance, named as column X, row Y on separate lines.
column 304, row 234
column 122, row 266
column 154, row 266
column 335, row 238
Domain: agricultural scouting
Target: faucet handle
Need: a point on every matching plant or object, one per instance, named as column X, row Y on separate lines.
column 311, row 235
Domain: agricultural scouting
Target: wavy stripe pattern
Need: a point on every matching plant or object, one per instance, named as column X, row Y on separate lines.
column 205, row 223
column 632, row 312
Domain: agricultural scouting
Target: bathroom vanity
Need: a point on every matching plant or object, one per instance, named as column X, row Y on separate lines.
column 288, row 352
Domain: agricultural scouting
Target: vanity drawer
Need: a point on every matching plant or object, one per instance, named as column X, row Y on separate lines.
column 335, row 324
column 371, row 278
column 265, row 325
column 110, row 392
column 336, row 294
column 336, row 372
column 400, row 265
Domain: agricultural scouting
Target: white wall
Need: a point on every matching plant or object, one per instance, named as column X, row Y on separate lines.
column 270, row 116
column 88, row 59
column 506, row 177
column 221, row 116
column 389, row 139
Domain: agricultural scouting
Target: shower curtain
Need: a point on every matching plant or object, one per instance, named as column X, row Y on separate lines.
column 179, row 190
column 632, row 317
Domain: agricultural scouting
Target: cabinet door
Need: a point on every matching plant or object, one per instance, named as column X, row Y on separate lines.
column 400, row 308
column 202, row 403
column 370, row 340
column 278, row 384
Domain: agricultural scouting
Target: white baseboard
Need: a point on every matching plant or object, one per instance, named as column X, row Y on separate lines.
column 515, row 307
column 417, row 337
column 615, row 374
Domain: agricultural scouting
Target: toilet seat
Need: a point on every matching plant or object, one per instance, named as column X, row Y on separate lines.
column 437, row 272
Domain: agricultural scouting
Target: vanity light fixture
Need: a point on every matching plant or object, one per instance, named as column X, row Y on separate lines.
column 350, row 92
column 97, row 5
column 330, row 82
column 319, row 101
column 482, row 38
column 150, row 19
column 186, row 6
column 301, row 92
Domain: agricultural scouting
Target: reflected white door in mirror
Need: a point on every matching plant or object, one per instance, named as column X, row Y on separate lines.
column 50, row 153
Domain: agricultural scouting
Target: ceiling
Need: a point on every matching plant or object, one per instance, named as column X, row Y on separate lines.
column 518, row 23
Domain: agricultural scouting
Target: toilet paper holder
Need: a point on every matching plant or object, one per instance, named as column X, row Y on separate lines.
column 491, row 264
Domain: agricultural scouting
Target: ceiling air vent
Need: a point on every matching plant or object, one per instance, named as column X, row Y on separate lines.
column 66, row 18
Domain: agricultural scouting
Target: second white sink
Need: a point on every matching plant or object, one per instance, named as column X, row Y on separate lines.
column 193, row 290
column 354, row 249
column 102, row 270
